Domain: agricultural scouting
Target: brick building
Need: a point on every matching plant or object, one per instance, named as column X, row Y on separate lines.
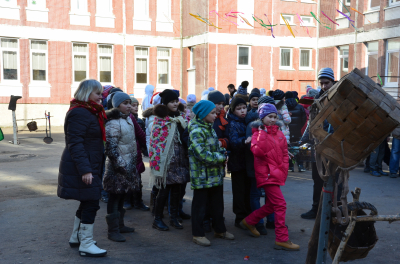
column 374, row 47
column 48, row 47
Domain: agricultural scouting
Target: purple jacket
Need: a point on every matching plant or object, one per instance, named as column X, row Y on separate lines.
column 140, row 140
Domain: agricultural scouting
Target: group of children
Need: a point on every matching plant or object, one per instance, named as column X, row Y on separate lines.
column 194, row 142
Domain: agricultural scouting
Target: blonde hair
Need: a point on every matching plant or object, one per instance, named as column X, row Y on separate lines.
column 85, row 88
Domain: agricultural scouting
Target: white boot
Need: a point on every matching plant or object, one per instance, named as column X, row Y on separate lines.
column 87, row 247
column 74, row 241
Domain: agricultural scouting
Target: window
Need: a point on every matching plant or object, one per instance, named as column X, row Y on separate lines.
column 163, row 64
column 372, row 59
column 79, row 6
column 374, row 4
column 347, row 2
column 39, row 60
column 37, row 4
column 141, row 8
column 244, row 56
column 9, row 63
column 289, row 19
column 392, row 60
column 308, row 21
column 344, row 61
column 394, row 2
column 105, row 63
column 247, row 8
column 80, row 53
column 163, row 10
column 142, row 59
column 192, row 57
column 286, row 58
column 11, row 3
column 104, row 7
column 343, row 9
column 305, row 59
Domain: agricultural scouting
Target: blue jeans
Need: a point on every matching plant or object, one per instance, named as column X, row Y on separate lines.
column 255, row 196
column 395, row 156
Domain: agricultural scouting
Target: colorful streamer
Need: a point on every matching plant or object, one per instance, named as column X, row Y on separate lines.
column 380, row 79
column 345, row 15
column 329, row 18
column 344, row 6
column 318, row 20
column 246, row 21
column 303, row 24
column 360, row 14
column 223, row 18
column 204, row 20
column 287, row 24
column 272, row 30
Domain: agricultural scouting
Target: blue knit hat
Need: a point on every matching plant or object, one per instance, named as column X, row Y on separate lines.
column 203, row 108
column 211, row 89
column 326, row 73
column 191, row 98
column 262, row 91
column 243, row 88
column 118, row 98
column 266, row 109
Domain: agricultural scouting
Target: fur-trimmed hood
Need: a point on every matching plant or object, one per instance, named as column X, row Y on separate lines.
column 162, row 111
column 114, row 114
column 258, row 123
column 148, row 112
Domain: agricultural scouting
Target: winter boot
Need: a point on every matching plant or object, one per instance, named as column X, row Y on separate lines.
column 301, row 168
column 122, row 227
column 174, row 205
column 225, row 235
column 113, row 228
column 74, row 240
column 202, row 241
column 153, row 201
column 252, row 229
column 87, row 247
column 128, row 201
column 261, row 229
column 158, row 222
column 138, row 201
column 288, row 245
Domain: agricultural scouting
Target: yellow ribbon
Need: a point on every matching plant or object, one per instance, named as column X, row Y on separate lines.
column 287, row 24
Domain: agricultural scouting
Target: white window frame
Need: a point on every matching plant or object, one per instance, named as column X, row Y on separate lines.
column 341, row 9
column 2, row 64
column 393, row 4
column 47, row 60
column 192, row 57
column 241, row 66
column 347, row 2
column 165, row 85
column 367, row 54
column 247, row 7
column 291, row 22
column 98, row 10
column 373, row 8
column 290, row 67
column 73, row 64
column 309, row 67
column 74, row 8
column 148, row 65
column 10, row 3
column 35, row 6
column 105, row 55
column 342, row 57
column 387, row 83
column 312, row 24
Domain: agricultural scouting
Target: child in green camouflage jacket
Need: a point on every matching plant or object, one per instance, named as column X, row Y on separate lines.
column 207, row 170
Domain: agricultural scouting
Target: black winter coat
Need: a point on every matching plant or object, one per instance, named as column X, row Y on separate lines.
column 237, row 136
column 251, row 116
column 83, row 153
column 299, row 118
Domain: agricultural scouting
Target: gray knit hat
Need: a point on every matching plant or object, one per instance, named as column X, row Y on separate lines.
column 118, row 98
column 266, row 100
column 216, row 97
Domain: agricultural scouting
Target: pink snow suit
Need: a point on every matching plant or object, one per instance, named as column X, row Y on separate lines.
column 271, row 163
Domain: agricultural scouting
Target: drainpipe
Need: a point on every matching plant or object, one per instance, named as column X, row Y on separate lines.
column 317, row 50
column 181, row 40
column 124, row 45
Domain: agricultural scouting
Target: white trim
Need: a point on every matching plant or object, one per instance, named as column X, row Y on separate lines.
column 76, row 83
column 290, row 67
column 142, row 85
column 10, row 12
column 291, row 22
column 339, row 64
column 369, row 8
column 393, row 5
column 112, row 62
column 39, row 88
column 309, row 67
column 192, row 62
column 312, row 24
column 308, row 2
column 10, row 82
column 367, row 54
column 390, row 84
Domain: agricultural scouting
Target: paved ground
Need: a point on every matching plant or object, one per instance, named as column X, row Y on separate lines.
column 36, row 224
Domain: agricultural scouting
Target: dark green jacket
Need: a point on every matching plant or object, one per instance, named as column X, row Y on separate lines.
column 206, row 157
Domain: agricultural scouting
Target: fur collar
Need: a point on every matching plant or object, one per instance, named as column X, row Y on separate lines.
column 148, row 112
column 162, row 111
column 115, row 114
column 257, row 123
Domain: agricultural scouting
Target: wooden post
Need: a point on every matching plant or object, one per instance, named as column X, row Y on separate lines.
column 313, row 243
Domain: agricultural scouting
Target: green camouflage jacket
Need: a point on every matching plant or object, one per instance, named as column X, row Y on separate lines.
column 206, row 157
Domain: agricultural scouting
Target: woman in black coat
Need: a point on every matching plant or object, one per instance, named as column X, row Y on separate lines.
column 81, row 163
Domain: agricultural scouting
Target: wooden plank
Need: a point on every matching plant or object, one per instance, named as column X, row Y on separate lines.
column 334, row 120
column 395, row 114
column 364, row 89
column 356, row 97
column 356, row 118
column 322, row 115
column 345, row 109
column 344, row 130
column 365, row 127
column 376, row 96
column 345, row 87
column 366, row 108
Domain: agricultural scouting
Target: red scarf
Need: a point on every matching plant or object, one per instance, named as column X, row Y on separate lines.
column 94, row 108
column 223, row 120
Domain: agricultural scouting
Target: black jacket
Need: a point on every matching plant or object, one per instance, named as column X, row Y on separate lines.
column 237, row 136
column 83, row 153
column 251, row 116
column 299, row 118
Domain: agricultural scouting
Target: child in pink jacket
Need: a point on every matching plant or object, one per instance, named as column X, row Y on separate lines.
column 271, row 163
